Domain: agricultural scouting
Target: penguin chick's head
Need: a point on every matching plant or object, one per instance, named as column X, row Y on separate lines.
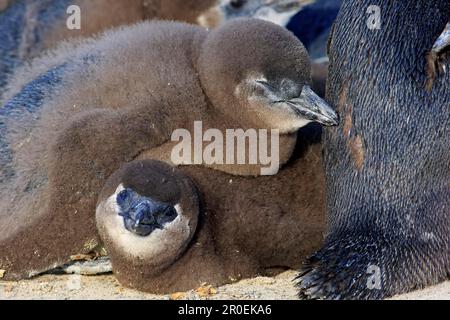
column 147, row 210
column 260, row 73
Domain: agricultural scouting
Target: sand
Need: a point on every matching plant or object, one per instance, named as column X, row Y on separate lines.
column 107, row 287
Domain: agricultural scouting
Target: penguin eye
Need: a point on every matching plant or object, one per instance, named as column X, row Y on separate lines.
column 237, row 3
column 170, row 212
column 266, row 85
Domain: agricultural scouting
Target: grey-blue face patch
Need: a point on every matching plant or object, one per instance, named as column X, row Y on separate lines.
column 142, row 215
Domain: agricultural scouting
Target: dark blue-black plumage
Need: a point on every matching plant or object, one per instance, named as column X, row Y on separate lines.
column 387, row 164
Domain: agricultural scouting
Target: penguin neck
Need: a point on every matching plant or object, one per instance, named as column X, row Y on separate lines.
column 210, row 115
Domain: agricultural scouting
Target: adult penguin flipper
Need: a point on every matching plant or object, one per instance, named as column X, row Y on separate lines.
column 437, row 56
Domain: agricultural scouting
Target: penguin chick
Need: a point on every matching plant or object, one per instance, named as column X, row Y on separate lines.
column 148, row 211
column 279, row 99
column 84, row 110
column 164, row 235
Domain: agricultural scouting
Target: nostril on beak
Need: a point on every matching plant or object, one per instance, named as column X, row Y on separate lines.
column 141, row 215
column 144, row 214
column 170, row 212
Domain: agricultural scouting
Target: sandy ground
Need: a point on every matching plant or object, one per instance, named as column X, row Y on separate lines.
column 107, row 287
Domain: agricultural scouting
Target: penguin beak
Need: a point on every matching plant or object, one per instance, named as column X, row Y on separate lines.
column 310, row 106
column 142, row 215
column 146, row 218
column 145, row 215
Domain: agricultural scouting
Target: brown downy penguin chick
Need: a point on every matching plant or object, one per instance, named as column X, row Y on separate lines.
column 80, row 113
column 164, row 235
